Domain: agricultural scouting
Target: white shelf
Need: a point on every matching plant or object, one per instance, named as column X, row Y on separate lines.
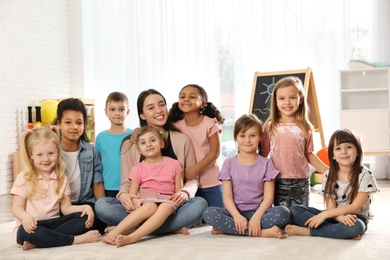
column 365, row 106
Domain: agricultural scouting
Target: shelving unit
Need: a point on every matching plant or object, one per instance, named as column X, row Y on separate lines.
column 90, row 124
column 90, row 129
column 365, row 99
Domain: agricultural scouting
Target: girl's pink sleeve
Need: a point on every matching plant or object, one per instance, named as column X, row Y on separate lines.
column 19, row 186
column 309, row 148
column 214, row 127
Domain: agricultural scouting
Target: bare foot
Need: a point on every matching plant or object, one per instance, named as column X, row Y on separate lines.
column 27, row 246
column 108, row 229
column 273, row 232
column 109, row 239
column 294, row 230
column 122, row 240
column 88, row 237
column 183, row 231
column 215, row 231
column 358, row 237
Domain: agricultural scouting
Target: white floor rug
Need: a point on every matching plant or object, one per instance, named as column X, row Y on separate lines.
column 200, row 244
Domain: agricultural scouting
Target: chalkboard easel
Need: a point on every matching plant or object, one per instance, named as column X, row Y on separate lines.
column 263, row 85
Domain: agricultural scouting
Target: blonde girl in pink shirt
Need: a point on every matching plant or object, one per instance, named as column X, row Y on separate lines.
column 288, row 141
column 41, row 204
column 153, row 182
column 201, row 121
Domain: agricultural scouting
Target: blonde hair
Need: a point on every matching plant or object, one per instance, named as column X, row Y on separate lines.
column 31, row 138
column 302, row 118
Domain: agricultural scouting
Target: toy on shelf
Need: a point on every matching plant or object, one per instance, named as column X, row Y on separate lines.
column 38, row 120
column 30, row 124
column 48, row 110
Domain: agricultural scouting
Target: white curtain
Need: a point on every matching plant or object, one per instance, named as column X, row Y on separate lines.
column 381, row 31
column 132, row 45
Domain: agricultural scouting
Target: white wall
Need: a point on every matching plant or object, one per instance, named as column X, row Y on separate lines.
column 34, row 65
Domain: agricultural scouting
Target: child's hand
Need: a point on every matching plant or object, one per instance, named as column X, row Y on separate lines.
column 179, row 198
column 241, row 224
column 91, row 215
column 190, row 173
column 316, row 221
column 348, row 219
column 134, row 135
column 254, row 227
column 136, row 203
column 125, row 199
column 29, row 224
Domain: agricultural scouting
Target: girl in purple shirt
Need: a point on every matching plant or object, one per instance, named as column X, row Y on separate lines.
column 248, row 184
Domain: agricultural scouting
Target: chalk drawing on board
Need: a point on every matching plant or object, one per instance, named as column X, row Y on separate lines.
column 269, row 88
column 264, row 85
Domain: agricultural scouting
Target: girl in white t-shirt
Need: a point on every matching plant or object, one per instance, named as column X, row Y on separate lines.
column 41, row 204
column 201, row 121
column 348, row 188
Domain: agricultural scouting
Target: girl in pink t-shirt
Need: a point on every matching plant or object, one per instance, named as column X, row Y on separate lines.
column 41, row 193
column 288, row 141
column 153, row 182
column 200, row 120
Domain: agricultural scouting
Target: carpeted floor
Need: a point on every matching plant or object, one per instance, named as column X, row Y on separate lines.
column 200, row 244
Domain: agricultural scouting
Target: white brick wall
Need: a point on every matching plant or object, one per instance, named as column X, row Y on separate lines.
column 34, row 65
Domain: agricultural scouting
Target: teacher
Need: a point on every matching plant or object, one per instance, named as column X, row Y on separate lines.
column 152, row 110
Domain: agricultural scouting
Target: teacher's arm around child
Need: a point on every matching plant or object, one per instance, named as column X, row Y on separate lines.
column 348, row 188
column 248, row 183
column 41, row 193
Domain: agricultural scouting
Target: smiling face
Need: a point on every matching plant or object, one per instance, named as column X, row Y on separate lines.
column 190, row 100
column 44, row 156
column 248, row 141
column 154, row 110
column 288, row 100
column 345, row 154
column 150, row 145
column 71, row 125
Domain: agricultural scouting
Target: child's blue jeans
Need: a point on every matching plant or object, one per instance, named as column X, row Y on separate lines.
column 330, row 227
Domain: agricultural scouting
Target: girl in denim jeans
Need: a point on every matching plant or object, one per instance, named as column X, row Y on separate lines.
column 348, row 188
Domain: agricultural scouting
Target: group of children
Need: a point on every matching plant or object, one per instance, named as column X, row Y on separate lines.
column 260, row 191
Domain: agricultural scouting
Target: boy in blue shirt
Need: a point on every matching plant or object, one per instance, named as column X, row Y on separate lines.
column 108, row 142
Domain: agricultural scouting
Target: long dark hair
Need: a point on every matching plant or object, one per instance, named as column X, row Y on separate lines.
column 339, row 137
column 175, row 114
column 73, row 104
column 140, row 104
